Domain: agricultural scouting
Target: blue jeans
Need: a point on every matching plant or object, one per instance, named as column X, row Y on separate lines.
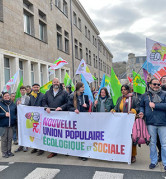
column 161, row 130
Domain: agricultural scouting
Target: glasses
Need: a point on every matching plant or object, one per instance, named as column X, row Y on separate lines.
column 155, row 84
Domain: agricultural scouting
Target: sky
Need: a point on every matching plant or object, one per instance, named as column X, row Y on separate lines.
column 124, row 25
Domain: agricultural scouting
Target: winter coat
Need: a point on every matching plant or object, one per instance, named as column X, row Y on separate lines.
column 157, row 117
column 134, row 104
column 60, row 100
column 36, row 101
column 108, row 104
column 8, row 121
column 84, row 99
column 27, row 99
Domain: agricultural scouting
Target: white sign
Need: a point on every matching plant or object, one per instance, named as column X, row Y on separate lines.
column 104, row 136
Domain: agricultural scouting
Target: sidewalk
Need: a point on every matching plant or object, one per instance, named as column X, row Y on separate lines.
column 142, row 162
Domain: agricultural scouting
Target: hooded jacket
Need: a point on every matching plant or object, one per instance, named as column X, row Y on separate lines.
column 60, row 100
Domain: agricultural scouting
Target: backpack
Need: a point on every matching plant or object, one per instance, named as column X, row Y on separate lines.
column 140, row 133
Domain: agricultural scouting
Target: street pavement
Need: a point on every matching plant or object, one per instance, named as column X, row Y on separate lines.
column 29, row 166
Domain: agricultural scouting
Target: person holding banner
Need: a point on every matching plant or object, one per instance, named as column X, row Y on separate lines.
column 55, row 99
column 78, row 102
column 8, row 118
column 36, row 98
column 104, row 102
column 153, row 107
column 127, row 103
column 24, row 100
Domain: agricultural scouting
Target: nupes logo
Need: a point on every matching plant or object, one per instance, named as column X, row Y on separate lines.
column 33, row 122
column 158, row 53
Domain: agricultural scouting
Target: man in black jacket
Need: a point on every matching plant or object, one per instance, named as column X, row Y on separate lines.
column 36, row 98
column 55, row 100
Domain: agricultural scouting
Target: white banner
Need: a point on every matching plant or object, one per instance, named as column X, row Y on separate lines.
column 104, row 136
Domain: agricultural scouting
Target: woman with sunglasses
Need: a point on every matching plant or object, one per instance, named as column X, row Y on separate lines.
column 127, row 103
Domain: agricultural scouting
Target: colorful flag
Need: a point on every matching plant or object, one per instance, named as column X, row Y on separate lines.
column 101, row 86
column 108, row 83
column 156, row 58
column 145, row 75
column 88, row 92
column 46, row 87
column 18, row 93
column 68, row 81
column 59, row 63
column 130, row 80
column 83, row 69
column 115, row 87
column 156, row 53
column 139, row 85
column 11, row 82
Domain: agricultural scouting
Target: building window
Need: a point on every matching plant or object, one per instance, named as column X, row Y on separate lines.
column 59, row 37
column 59, row 28
column 137, row 60
column 6, row 69
column 75, row 18
column 79, row 23
column 65, row 8
column 1, row 10
column 42, row 31
column 86, row 55
column 42, row 15
column 21, row 68
column 95, row 42
column 81, row 55
column 86, row 32
column 94, row 61
column 41, row 75
column 89, row 34
column 59, row 41
column 32, row 74
column 76, row 48
column 58, row 3
column 66, row 42
column 90, row 62
column 28, row 23
column 28, row 5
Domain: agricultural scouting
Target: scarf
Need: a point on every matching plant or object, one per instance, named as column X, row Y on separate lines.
column 7, row 102
column 156, row 97
column 34, row 94
column 127, row 103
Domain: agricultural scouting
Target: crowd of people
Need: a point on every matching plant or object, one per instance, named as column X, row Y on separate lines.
column 150, row 106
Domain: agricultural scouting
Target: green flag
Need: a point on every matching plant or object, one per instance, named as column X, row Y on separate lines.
column 68, row 81
column 18, row 93
column 94, row 77
column 139, row 85
column 46, row 87
column 115, row 87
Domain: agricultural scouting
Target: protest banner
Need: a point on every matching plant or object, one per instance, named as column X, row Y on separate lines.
column 104, row 136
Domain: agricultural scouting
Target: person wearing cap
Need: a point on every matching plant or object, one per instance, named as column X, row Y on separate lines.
column 36, row 98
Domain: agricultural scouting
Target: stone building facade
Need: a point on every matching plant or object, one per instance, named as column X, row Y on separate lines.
column 33, row 34
column 135, row 63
